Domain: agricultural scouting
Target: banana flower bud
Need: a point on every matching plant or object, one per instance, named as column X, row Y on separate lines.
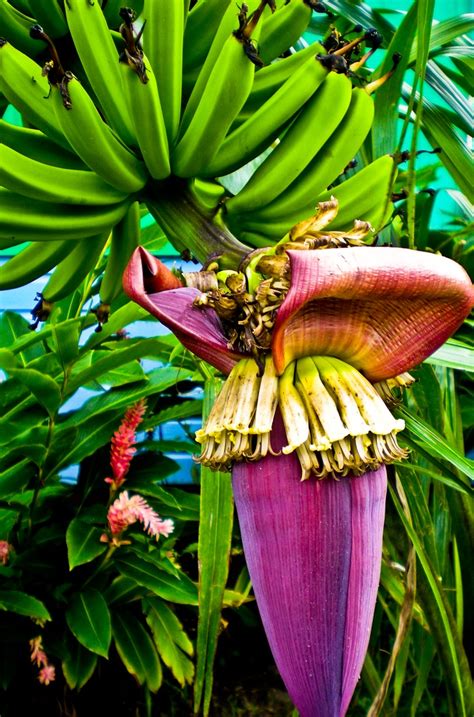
column 344, row 328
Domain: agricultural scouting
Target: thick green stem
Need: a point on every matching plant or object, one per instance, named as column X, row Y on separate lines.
column 191, row 228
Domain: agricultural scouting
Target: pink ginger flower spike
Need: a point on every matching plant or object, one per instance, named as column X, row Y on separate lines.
column 5, row 548
column 123, row 440
column 126, row 510
column 47, row 674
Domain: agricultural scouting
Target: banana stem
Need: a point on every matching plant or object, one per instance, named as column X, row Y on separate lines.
column 193, row 231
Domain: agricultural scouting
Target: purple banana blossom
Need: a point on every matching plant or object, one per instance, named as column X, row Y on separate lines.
column 314, row 547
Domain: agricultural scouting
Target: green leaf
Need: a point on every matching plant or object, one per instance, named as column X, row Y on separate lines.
column 119, row 400
column 83, row 543
column 170, row 639
column 215, row 534
column 78, row 665
column 144, row 571
column 119, row 319
column 88, row 618
column 452, row 651
column 88, row 437
column 23, row 604
column 444, row 32
column 43, row 387
column 66, row 339
column 385, row 126
column 16, row 478
column 454, row 354
column 136, row 650
column 424, row 435
column 12, row 327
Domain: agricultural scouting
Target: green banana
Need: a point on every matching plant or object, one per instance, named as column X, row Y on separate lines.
column 23, row 219
column 24, row 85
column 54, row 184
column 201, row 30
column 93, row 140
column 163, row 45
column 125, row 238
column 49, row 14
column 283, row 28
column 146, row 111
column 15, row 27
column 100, row 60
column 227, row 88
column 271, row 78
column 305, row 137
column 36, row 145
column 328, row 163
column 72, row 270
column 364, row 196
column 262, row 128
column 211, row 64
column 31, row 263
column 111, row 10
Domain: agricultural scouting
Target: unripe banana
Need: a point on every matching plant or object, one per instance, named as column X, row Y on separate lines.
column 125, row 238
column 36, row 145
column 163, row 45
column 201, row 26
column 270, row 78
column 23, row 219
column 100, row 60
column 23, row 84
column 146, row 112
column 54, row 184
column 262, row 128
column 15, row 27
column 227, row 89
column 31, row 263
column 329, row 162
column 305, row 137
column 281, row 30
column 94, row 141
column 50, row 16
column 73, row 269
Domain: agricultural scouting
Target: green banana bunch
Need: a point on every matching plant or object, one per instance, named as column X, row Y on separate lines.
column 264, row 125
column 308, row 133
column 145, row 102
column 325, row 166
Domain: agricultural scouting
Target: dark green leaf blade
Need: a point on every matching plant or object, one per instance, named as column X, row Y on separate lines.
column 88, row 618
column 83, row 543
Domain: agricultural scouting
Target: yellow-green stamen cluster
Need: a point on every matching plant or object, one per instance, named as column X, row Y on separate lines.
column 334, row 419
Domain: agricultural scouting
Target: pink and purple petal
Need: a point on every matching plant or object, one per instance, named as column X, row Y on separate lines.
column 313, row 549
column 381, row 309
column 154, row 287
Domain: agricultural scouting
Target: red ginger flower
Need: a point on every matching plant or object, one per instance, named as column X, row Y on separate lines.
column 123, row 440
column 314, row 549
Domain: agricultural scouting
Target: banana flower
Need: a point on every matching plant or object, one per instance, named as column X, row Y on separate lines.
column 313, row 348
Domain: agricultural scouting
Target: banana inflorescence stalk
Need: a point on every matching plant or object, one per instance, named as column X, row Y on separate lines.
column 153, row 103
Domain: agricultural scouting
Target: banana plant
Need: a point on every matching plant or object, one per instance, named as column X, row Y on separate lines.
column 128, row 105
